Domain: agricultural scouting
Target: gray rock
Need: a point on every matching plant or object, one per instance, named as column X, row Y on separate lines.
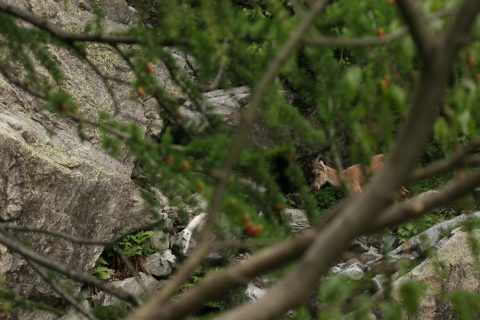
column 431, row 236
column 461, row 270
column 115, row 10
column 129, row 284
column 161, row 264
column 371, row 256
column 48, row 177
column 358, row 246
column 225, row 104
column 298, row 219
column 72, row 314
column 354, row 272
column 56, row 182
column 353, row 268
column 379, row 282
column 36, row 315
column 6, row 260
column 160, row 240
column 254, row 292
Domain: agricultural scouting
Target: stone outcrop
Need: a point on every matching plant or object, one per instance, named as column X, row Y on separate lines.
column 51, row 179
column 460, row 272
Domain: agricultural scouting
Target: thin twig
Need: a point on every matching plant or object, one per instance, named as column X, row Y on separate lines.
column 75, row 239
column 64, row 269
column 423, row 203
column 459, row 159
column 458, row 35
column 60, row 290
column 70, row 37
column 93, row 66
column 18, row 83
column 156, row 94
column 130, row 267
column 59, row 234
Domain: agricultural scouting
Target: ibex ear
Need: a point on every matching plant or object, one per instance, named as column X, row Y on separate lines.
column 321, row 166
column 318, row 165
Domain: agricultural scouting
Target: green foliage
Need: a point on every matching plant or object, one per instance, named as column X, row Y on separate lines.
column 410, row 293
column 353, row 99
column 391, row 310
column 327, row 196
column 136, row 244
column 343, row 297
column 466, row 304
column 412, row 228
column 113, row 312
column 101, row 269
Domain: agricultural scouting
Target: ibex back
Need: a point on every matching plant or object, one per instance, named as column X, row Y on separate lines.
column 352, row 176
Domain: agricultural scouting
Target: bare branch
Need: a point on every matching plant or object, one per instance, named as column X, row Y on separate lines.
column 461, row 158
column 61, row 291
column 459, row 31
column 418, row 28
column 218, row 77
column 27, row 253
column 413, row 208
column 58, row 234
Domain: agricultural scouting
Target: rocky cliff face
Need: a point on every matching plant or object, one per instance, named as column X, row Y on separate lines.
column 51, row 179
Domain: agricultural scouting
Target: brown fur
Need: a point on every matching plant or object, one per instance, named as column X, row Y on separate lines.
column 352, row 176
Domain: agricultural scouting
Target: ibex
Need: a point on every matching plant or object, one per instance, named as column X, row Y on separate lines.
column 352, row 176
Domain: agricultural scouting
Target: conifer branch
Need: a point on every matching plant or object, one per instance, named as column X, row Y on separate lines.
column 151, row 309
column 345, row 42
column 271, row 258
column 293, row 289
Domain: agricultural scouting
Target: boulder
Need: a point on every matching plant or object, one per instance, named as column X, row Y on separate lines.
column 160, row 264
column 460, row 272
column 56, row 182
column 145, row 284
column 51, row 179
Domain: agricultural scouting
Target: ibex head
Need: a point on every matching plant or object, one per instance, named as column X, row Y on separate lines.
column 323, row 174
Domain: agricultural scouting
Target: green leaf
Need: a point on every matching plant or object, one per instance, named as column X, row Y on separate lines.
column 410, row 293
column 464, row 119
column 466, row 304
column 441, row 130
